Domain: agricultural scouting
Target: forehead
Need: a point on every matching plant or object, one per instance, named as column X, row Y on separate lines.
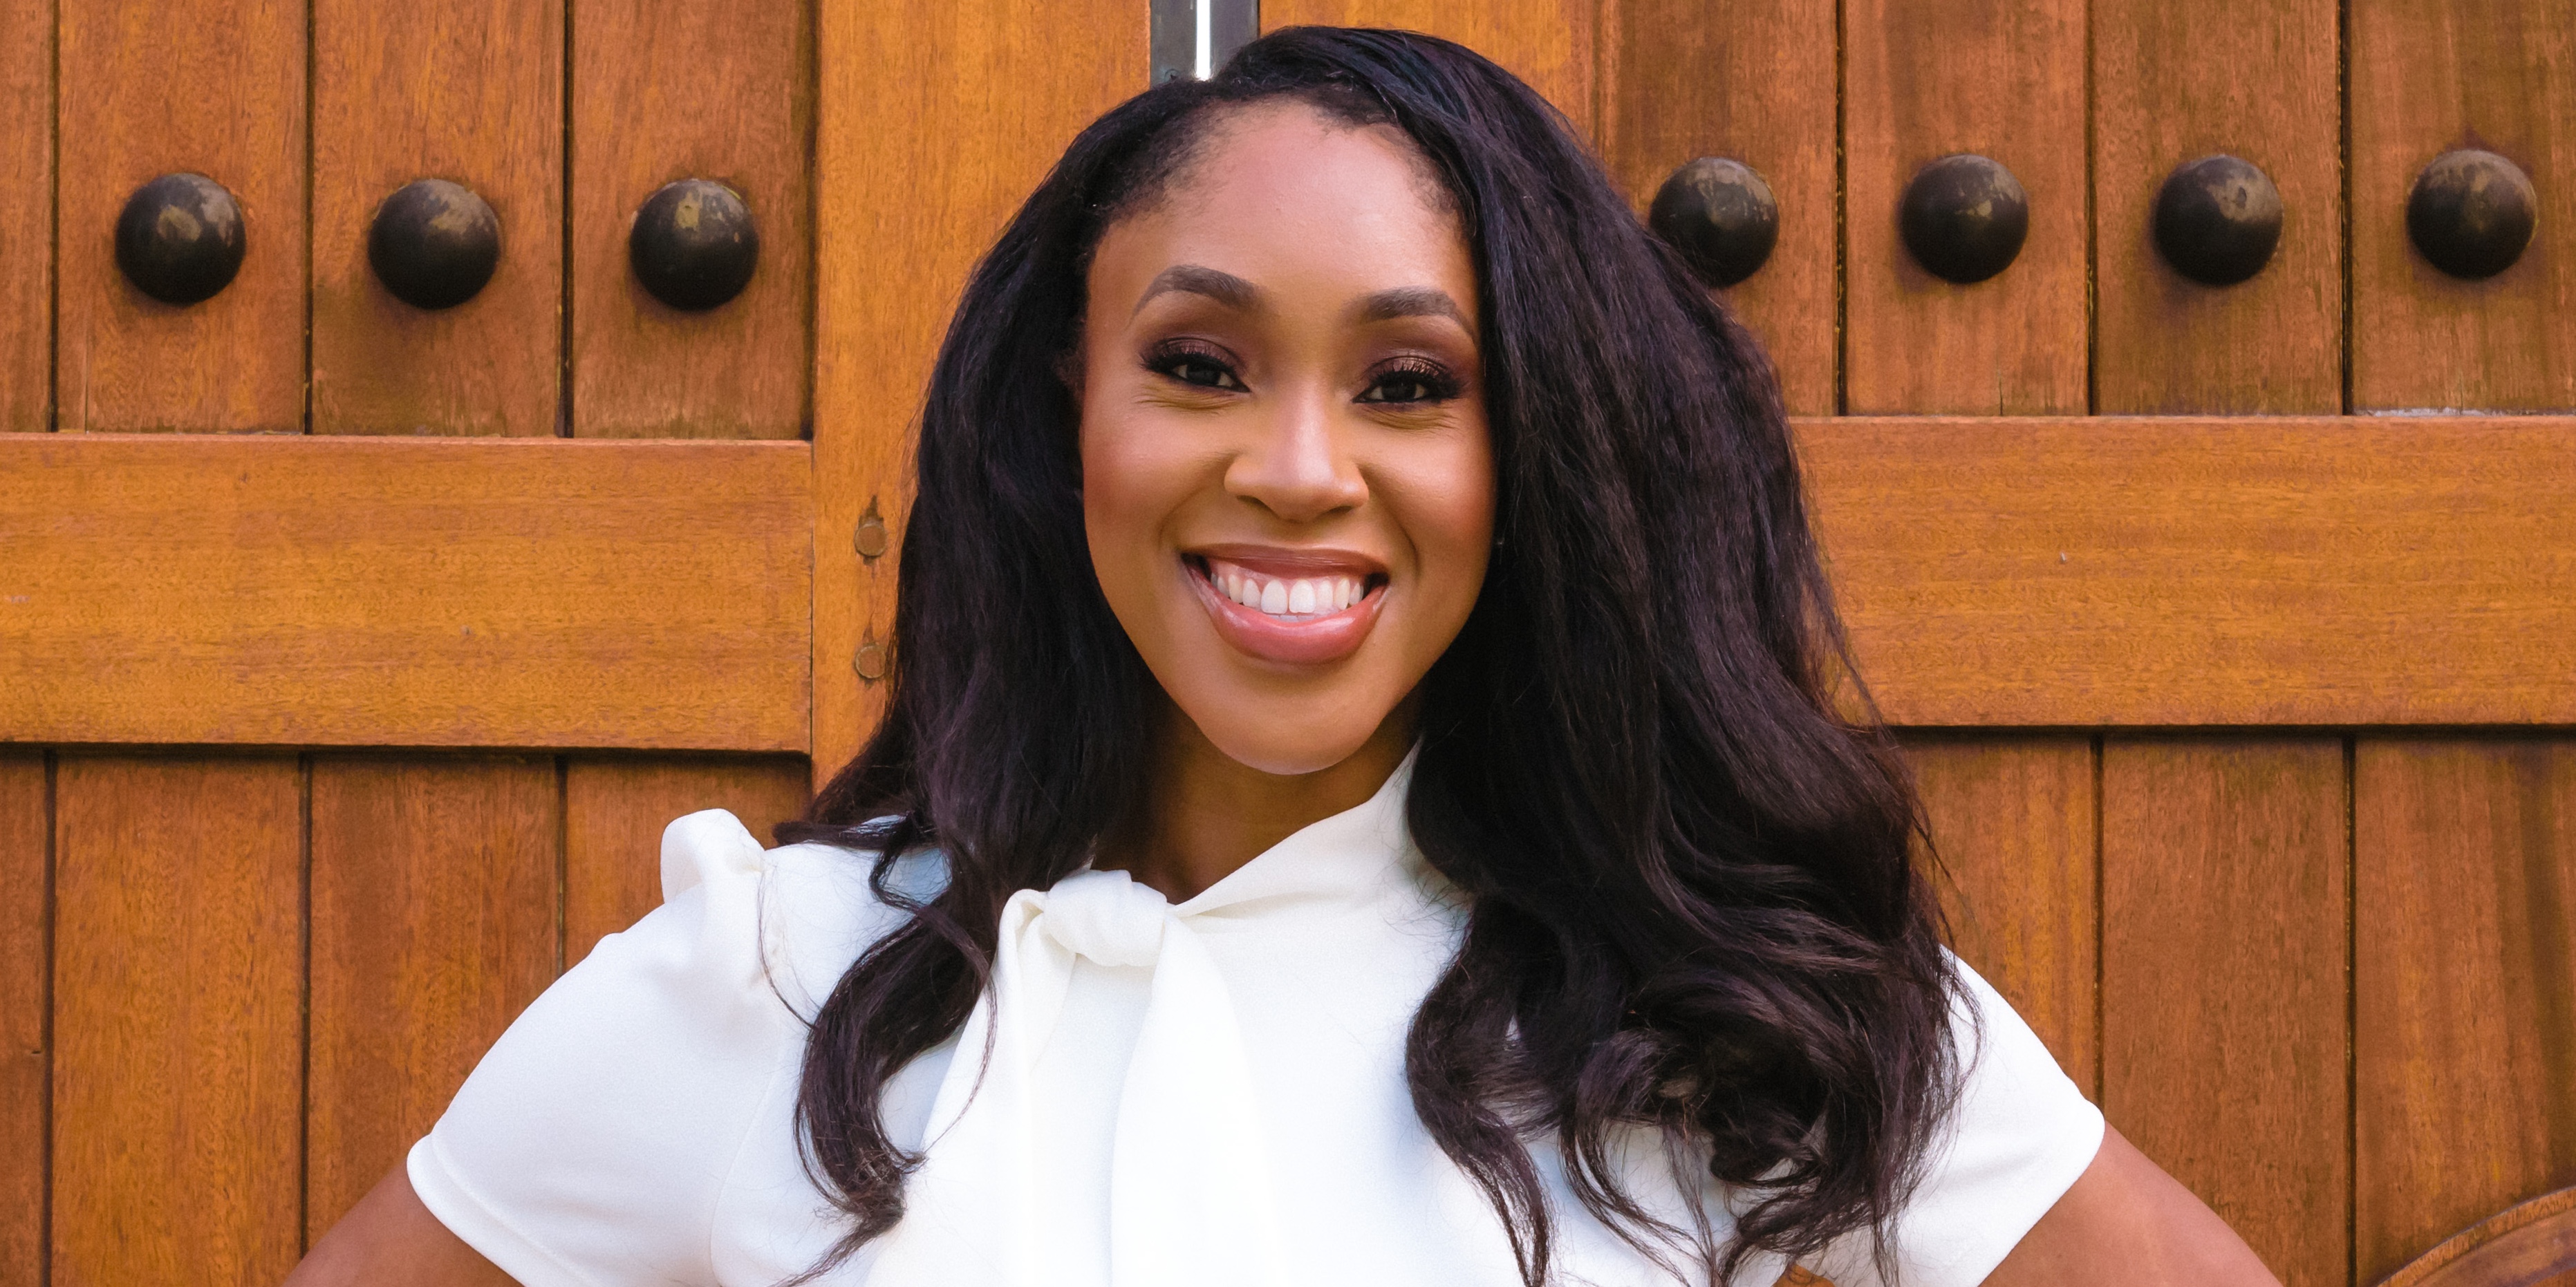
column 1277, row 188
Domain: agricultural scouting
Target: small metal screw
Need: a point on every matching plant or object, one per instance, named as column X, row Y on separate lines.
column 870, row 539
column 870, row 661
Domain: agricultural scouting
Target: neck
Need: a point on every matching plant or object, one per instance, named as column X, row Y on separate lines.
column 1206, row 814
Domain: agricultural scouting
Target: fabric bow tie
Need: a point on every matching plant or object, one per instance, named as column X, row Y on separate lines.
column 1006, row 1190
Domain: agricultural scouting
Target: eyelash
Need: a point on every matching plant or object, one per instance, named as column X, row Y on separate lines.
column 1169, row 360
column 1436, row 382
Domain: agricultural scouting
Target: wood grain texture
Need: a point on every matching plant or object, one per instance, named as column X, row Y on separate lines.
column 1548, row 43
column 2465, row 1014
column 2012, row 820
column 26, row 987
column 1756, row 86
column 614, row 813
column 178, row 1020
column 694, row 89
column 434, row 924
column 2528, row 1245
column 476, row 97
column 307, row 591
column 2185, row 572
column 2499, row 75
column 150, row 87
column 27, row 218
column 2177, row 80
column 2003, row 79
column 892, row 257
column 2224, row 988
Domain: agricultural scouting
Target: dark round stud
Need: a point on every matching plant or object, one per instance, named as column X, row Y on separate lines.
column 2471, row 213
column 1720, row 215
column 693, row 245
column 2218, row 220
column 434, row 243
column 180, row 238
column 1964, row 218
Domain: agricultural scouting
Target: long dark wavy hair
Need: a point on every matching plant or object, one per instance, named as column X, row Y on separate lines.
column 1691, row 902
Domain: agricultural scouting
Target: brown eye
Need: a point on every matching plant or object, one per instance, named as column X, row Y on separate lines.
column 1193, row 366
column 1412, row 384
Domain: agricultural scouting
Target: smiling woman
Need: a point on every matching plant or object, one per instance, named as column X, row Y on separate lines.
column 1362, row 799
column 1287, row 479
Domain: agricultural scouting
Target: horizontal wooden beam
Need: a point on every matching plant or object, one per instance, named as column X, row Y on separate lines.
column 2147, row 572
column 405, row 592
column 656, row 595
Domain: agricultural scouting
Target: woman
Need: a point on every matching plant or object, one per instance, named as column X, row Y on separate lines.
column 1361, row 800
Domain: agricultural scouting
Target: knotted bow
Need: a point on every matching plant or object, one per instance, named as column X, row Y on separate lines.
column 1008, row 1193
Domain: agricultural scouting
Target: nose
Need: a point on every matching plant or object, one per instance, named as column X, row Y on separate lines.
column 1299, row 465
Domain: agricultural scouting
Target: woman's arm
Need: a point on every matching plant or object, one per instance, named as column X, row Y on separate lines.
column 2128, row 1224
column 390, row 1240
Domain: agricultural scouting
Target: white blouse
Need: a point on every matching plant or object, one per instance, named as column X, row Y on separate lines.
column 1183, row 1096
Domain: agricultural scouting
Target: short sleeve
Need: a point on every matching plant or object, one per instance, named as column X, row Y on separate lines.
column 592, row 1143
column 2019, row 1136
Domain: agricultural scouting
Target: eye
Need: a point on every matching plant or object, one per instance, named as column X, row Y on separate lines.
column 1412, row 381
column 1193, row 364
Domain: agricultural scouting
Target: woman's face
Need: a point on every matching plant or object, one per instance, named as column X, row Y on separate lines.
column 1287, row 479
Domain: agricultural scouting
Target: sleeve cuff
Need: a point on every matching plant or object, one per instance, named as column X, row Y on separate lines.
column 472, row 1220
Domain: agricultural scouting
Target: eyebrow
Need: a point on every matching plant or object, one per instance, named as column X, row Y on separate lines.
column 1411, row 301
column 1224, row 288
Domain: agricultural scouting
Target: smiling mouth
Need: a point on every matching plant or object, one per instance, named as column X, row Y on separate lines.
column 1289, row 607
column 1287, row 599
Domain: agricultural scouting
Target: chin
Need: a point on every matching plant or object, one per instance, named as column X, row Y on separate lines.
column 1283, row 747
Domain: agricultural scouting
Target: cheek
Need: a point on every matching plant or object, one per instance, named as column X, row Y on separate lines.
column 1130, row 489
column 1447, row 507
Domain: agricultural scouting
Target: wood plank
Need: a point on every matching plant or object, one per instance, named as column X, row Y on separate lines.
column 1548, row 43
column 892, row 257
column 2224, row 982
column 2012, row 819
column 27, row 218
column 306, row 591
column 434, row 924
column 2185, row 572
column 2003, row 79
column 1756, row 86
column 26, row 988
column 2426, row 78
column 480, row 103
column 666, row 91
column 2027, row 572
column 2178, row 80
column 614, row 813
column 178, row 1077
column 2465, row 1014
column 150, row 87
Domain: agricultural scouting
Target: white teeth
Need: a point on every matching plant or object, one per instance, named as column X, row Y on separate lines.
column 1304, row 596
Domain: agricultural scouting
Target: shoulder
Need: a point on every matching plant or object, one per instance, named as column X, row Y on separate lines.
column 594, row 1140
column 2016, row 1138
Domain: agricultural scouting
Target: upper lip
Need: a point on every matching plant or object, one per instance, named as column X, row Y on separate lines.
column 1293, row 561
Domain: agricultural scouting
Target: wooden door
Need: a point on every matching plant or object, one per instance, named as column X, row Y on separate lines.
column 352, row 655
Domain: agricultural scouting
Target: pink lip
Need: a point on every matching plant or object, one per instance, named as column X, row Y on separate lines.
column 1310, row 640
